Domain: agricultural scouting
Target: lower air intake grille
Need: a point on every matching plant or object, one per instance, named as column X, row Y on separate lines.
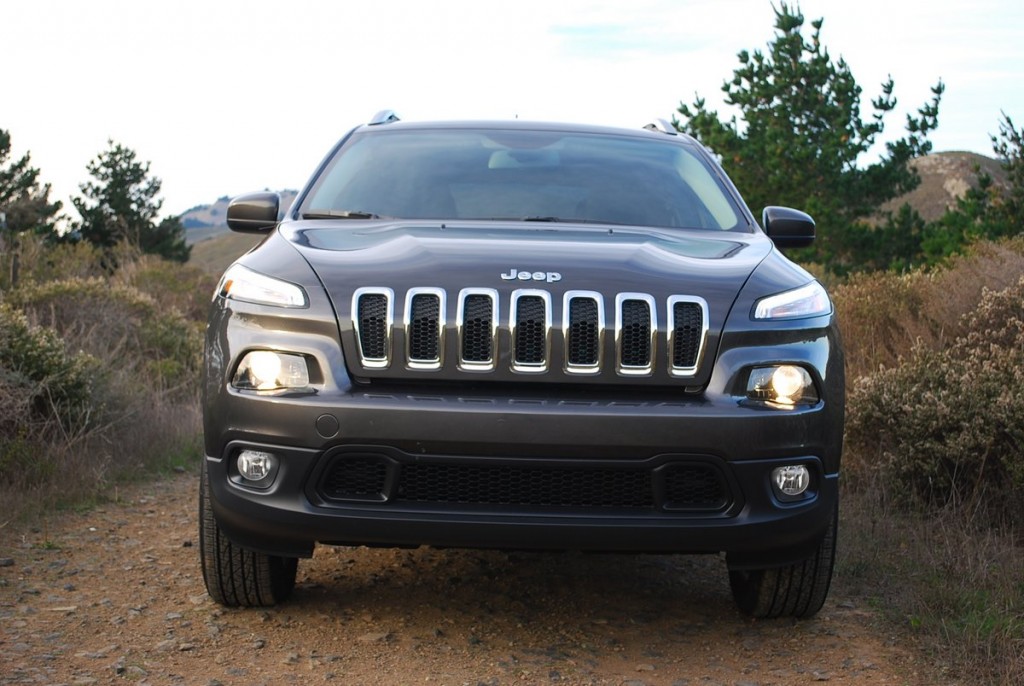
column 538, row 487
column 694, row 487
column 357, row 478
column 686, row 487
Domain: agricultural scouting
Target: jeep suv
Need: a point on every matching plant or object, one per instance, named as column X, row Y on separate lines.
column 521, row 336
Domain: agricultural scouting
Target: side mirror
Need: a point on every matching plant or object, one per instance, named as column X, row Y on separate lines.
column 254, row 213
column 788, row 228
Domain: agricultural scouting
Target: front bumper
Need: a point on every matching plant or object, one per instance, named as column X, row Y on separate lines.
column 521, row 432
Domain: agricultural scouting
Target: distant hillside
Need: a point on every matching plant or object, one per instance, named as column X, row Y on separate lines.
column 945, row 177
column 217, row 253
column 206, row 221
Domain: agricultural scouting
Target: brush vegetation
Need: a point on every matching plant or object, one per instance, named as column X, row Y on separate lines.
column 934, row 465
column 99, row 373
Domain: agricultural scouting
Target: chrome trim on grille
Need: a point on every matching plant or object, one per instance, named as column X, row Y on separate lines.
column 689, row 370
column 437, row 336
column 629, row 369
column 483, row 365
column 531, row 345
column 519, row 364
column 568, row 333
column 370, row 361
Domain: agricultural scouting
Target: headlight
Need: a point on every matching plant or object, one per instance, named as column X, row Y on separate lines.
column 267, row 370
column 784, row 385
column 240, row 283
column 807, row 301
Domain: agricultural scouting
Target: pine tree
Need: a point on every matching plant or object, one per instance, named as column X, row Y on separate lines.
column 801, row 138
column 25, row 205
column 120, row 205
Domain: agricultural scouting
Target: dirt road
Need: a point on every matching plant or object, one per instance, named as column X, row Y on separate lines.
column 115, row 595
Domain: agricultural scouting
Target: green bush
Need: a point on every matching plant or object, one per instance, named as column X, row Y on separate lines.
column 128, row 329
column 39, row 381
column 947, row 425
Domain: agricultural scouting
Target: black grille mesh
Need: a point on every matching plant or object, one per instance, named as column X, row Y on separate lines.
column 694, row 487
column 424, row 329
column 531, row 322
column 689, row 322
column 636, row 334
column 583, row 335
column 538, row 487
column 477, row 340
column 356, row 478
column 373, row 325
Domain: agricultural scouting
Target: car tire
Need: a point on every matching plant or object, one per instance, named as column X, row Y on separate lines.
column 236, row 576
column 798, row 590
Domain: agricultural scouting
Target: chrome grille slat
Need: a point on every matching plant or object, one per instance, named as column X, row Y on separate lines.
column 636, row 328
column 478, row 329
column 583, row 324
column 424, row 328
column 687, row 330
column 527, row 344
column 530, row 324
column 373, row 321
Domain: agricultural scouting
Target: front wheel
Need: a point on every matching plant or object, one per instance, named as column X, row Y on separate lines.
column 236, row 576
column 798, row 590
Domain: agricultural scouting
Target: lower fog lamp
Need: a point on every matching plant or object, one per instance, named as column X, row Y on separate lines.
column 791, row 482
column 257, row 468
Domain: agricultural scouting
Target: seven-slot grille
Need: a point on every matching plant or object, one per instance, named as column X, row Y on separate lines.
column 530, row 316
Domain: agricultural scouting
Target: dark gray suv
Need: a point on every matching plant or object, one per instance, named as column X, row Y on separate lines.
column 522, row 336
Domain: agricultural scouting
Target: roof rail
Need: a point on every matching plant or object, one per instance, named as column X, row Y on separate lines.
column 383, row 117
column 663, row 126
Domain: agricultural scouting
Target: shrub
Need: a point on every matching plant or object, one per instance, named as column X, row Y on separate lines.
column 39, row 381
column 884, row 315
column 184, row 288
column 128, row 329
column 945, row 426
column 45, row 395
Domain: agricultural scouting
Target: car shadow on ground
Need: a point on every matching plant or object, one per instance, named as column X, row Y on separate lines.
column 513, row 590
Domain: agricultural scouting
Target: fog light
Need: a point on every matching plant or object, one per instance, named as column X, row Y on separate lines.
column 267, row 370
column 257, row 468
column 791, row 481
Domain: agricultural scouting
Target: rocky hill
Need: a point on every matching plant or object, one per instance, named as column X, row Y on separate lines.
column 945, row 177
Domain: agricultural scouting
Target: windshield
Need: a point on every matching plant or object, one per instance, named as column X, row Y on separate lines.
column 521, row 175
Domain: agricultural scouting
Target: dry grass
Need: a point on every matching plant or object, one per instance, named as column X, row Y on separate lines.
column 883, row 315
column 214, row 255
column 99, row 375
column 955, row 587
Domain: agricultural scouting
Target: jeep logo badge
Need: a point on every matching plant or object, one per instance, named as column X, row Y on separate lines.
column 515, row 274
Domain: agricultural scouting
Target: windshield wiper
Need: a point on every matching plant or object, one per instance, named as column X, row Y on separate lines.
column 340, row 214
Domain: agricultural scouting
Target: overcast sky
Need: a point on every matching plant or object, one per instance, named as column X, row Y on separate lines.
column 229, row 97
